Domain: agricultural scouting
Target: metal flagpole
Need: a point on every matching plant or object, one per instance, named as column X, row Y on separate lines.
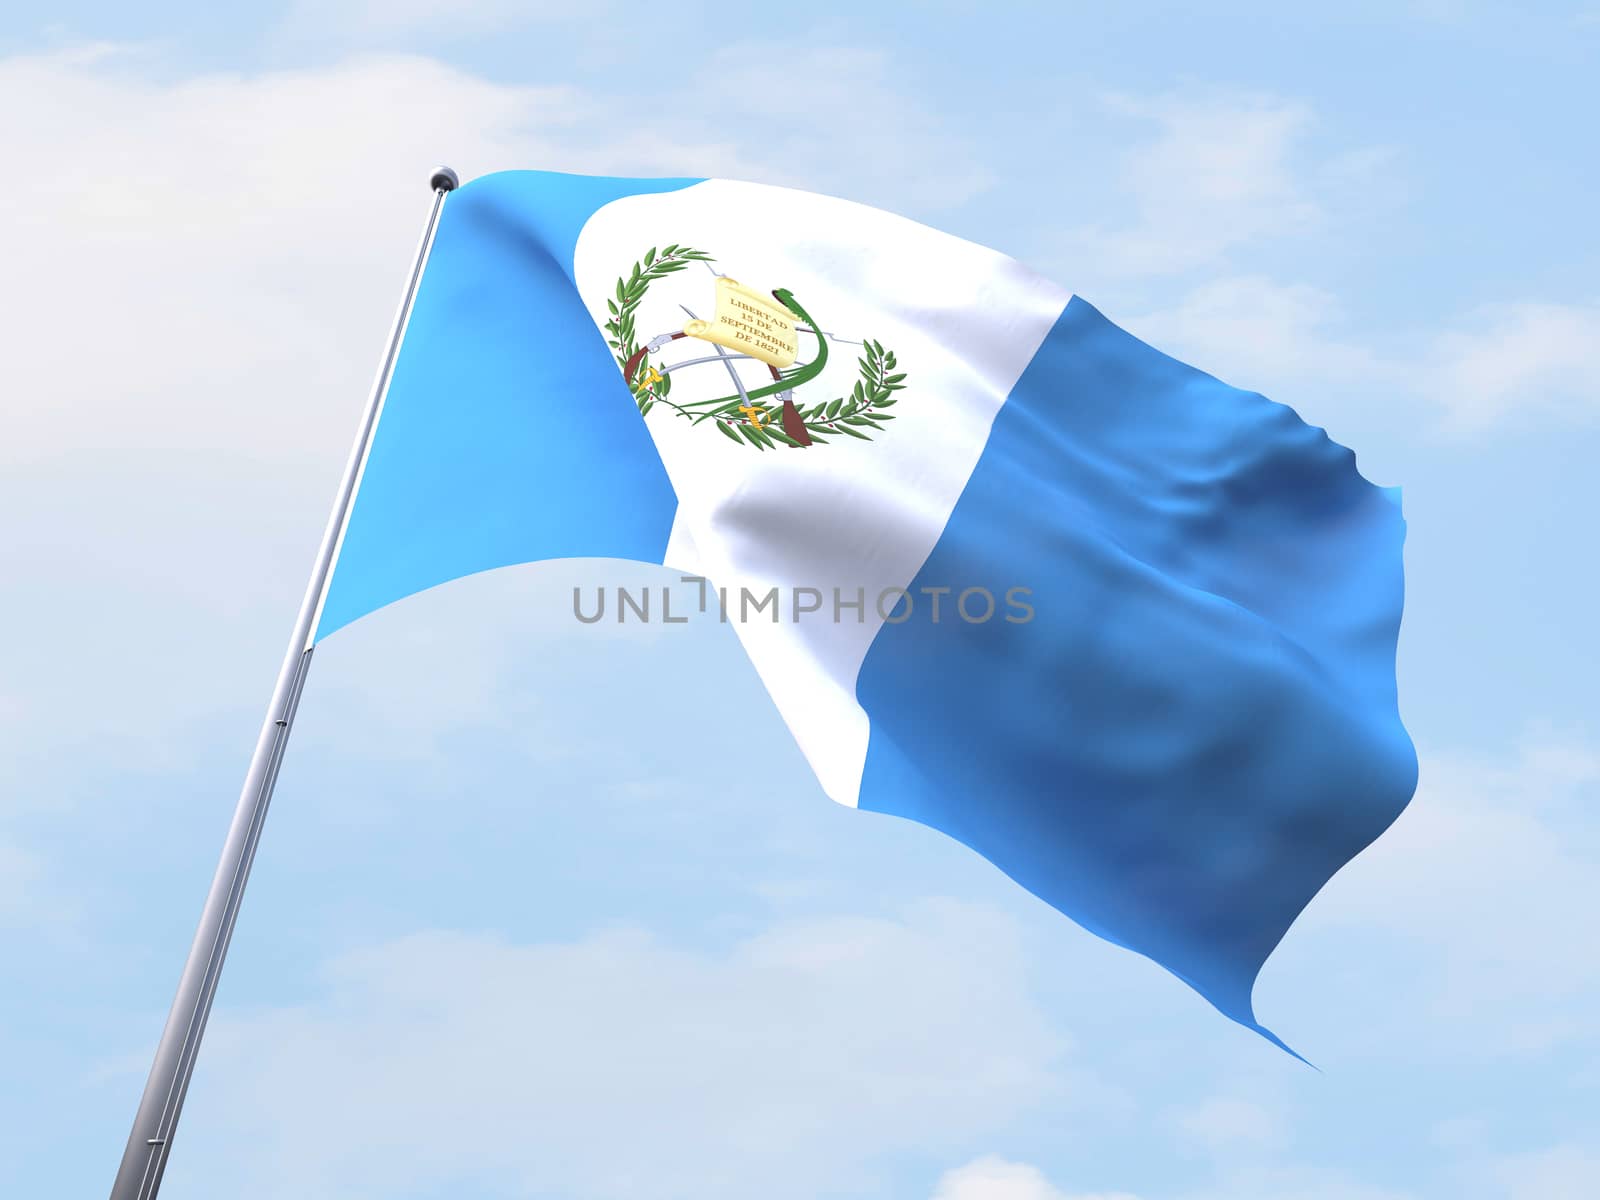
column 145, row 1158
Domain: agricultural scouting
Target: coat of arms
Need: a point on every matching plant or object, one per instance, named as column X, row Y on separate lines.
column 770, row 348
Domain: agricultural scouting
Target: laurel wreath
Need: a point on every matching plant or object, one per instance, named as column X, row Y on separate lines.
column 858, row 415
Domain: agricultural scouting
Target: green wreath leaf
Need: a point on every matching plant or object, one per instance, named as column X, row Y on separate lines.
column 855, row 416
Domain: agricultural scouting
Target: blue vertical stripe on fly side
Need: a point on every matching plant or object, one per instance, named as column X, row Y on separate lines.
column 507, row 435
column 1199, row 726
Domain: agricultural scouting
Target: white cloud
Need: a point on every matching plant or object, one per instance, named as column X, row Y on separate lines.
column 35, row 907
column 1216, row 180
column 1220, row 172
column 212, row 260
column 1291, row 341
column 1223, row 1122
column 1459, row 1133
column 1482, row 896
column 19, row 872
column 620, row 1065
column 438, row 18
column 1260, row 328
column 1281, row 339
column 994, row 1178
column 1222, row 176
column 1560, row 1173
column 842, row 107
column 211, row 263
column 1505, row 366
column 1512, row 363
column 1295, row 1183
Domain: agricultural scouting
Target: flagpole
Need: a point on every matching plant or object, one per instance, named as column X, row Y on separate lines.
column 145, row 1158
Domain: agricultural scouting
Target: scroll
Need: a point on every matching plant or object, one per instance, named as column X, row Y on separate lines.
column 749, row 323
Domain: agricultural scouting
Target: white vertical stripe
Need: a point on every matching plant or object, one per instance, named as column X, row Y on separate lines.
column 857, row 516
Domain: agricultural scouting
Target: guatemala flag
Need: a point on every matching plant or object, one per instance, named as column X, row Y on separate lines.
column 1124, row 630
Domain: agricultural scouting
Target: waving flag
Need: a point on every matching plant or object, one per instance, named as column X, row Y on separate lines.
column 1124, row 630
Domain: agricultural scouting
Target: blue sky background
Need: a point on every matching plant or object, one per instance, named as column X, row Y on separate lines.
column 556, row 911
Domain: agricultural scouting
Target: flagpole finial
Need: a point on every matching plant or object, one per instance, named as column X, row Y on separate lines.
column 444, row 180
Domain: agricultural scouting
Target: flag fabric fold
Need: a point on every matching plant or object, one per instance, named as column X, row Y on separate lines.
column 1123, row 629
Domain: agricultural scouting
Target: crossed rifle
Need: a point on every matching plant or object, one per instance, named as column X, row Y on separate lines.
column 784, row 382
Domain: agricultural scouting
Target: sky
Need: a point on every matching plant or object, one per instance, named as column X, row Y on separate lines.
column 550, row 910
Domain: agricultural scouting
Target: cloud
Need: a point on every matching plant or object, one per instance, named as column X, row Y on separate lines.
column 1475, row 909
column 1559, row 1173
column 207, row 255
column 1501, row 367
column 1212, row 183
column 848, row 108
column 993, row 1178
column 1219, row 173
column 1223, row 1122
column 18, row 873
column 212, row 261
column 787, row 1063
column 1221, row 177
column 1296, row 1183
column 1257, row 333
column 452, row 19
column 1512, row 363
column 1294, row 343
